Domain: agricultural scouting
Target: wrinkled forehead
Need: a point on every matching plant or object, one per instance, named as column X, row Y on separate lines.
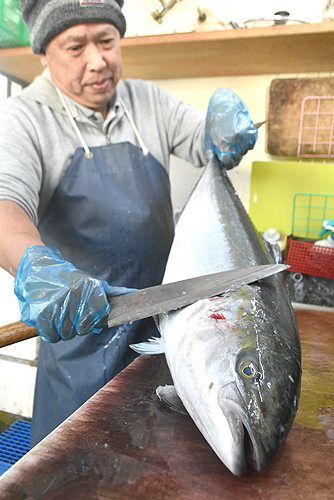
column 87, row 31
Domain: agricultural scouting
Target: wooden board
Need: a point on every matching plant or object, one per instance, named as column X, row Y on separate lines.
column 285, row 102
column 123, row 444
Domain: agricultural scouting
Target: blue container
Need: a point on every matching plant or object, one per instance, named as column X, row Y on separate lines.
column 14, row 443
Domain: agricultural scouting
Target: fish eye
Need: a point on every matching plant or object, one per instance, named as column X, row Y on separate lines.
column 249, row 370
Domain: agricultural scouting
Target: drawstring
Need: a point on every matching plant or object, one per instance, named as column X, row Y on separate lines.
column 144, row 149
column 88, row 152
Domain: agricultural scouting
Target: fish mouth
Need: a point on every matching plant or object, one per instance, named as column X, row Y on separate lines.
column 247, row 446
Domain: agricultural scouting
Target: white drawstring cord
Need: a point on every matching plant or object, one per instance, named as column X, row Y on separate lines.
column 88, row 152
column 144, row 149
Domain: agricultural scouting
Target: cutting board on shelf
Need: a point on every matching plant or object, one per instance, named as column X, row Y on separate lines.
column 285, row 101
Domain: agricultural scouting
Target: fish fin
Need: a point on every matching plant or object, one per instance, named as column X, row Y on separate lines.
column 273, row 251
column 155, row 345
column 156, row 320
column 169, row 397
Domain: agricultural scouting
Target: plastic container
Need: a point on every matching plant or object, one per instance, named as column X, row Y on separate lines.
column 328, row 226
column 273, row 236
column 14, row 444
column 328, row 242
column 13, row 30
column 307, row 258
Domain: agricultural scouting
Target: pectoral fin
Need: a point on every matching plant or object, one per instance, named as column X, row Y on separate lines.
column 169, row 397
column 155, row 345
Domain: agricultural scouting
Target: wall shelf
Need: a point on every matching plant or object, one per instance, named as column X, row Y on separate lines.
column 299, row 48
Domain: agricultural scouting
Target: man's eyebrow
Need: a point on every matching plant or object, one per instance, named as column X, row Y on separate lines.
column 106, row 32
column 72, row 39
column 82, row 39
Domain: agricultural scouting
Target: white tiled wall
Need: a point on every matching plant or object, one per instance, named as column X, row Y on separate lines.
column 183, row 16
column 242, row 10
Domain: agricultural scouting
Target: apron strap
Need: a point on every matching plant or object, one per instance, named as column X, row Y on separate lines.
column 133, row 125
column 88, row 152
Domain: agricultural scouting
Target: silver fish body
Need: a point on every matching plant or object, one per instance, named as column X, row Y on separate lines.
column 235, row 360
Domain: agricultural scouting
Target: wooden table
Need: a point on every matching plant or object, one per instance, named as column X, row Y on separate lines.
column 124, row 444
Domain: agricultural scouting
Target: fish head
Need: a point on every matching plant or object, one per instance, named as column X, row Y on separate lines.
column 240, row 379
column 267, row 370
column 260, row 405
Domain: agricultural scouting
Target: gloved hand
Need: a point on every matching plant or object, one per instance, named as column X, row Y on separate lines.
column 59, row 300
column 229, row 130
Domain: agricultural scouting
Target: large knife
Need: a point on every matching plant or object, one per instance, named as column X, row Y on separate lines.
column 161, row 298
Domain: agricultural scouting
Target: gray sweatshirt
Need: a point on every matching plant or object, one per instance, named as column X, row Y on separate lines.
column 38, row 141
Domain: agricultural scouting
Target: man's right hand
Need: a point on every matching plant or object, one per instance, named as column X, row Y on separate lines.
column 58, row 299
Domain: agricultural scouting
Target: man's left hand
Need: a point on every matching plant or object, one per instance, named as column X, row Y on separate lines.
column 229, row 129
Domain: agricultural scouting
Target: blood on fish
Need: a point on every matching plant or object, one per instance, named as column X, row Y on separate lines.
column 216, row 315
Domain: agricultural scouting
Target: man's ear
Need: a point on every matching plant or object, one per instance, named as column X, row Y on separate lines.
column 43, row 59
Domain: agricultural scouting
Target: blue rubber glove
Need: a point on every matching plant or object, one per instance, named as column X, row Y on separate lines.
column 229, row 130
column 59, row 300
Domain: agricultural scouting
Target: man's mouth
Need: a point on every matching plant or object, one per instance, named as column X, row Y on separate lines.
column 100, row 85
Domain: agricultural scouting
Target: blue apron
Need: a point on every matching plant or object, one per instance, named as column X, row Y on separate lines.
column 111, row 216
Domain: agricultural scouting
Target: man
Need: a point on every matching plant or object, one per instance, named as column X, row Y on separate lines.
column 84, row 193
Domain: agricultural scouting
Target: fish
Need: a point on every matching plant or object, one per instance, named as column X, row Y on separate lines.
column 235, row 359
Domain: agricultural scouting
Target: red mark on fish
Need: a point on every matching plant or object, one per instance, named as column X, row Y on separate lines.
column 216, row 315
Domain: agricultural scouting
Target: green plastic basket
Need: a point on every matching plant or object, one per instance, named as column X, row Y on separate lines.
column 13, row 30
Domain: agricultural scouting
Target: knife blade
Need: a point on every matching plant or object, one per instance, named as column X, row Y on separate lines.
column 170, row 296
column 157, row 299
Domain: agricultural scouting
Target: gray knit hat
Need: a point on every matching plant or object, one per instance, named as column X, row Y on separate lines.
column 48, row 18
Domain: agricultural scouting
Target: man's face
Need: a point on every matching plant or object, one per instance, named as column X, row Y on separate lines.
column 85, row 63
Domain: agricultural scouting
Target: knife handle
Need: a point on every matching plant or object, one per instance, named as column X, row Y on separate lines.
column 16, row 332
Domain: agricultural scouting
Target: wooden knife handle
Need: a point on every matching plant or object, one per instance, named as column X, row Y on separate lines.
column 15, row 332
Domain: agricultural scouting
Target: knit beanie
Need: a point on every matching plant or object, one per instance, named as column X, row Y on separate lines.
column 47, row 18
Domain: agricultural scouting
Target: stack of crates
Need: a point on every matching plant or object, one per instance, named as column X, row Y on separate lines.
column 309, row 212
column 13, row 31
column 14, row 443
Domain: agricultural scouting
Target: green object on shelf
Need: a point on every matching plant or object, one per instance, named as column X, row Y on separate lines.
column 309, row 212
column 13, row 30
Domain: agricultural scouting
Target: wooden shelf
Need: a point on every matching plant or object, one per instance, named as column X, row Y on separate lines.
column 279, row 49
column 299, row 48
column 20, row 62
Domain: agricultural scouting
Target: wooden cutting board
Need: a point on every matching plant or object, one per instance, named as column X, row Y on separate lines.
column 284, row 116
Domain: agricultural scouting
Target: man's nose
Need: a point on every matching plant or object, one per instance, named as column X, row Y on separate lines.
column 95, row 58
